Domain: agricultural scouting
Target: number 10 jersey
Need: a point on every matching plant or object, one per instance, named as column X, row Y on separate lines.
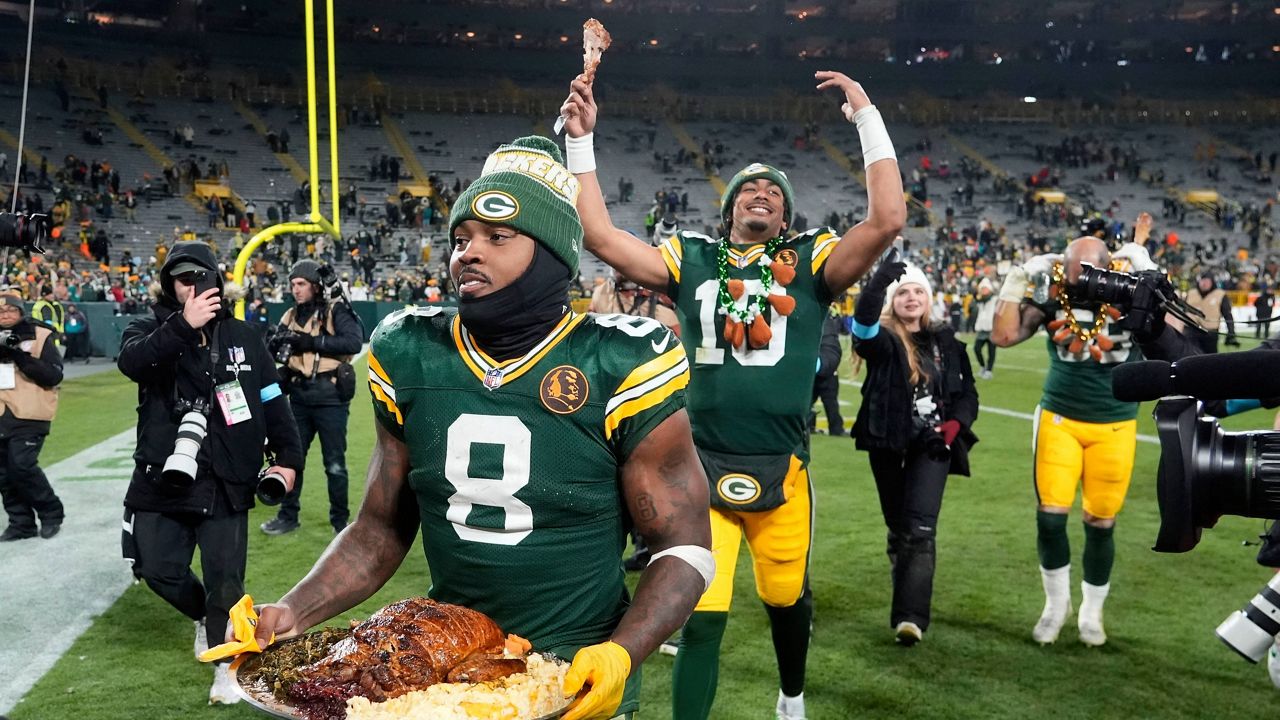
column 515, row 465
column 744, row 401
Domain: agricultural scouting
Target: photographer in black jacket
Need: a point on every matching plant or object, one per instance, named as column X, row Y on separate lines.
column 315, row 341
column 196, row 365
column 918, row 403
column 28, row 402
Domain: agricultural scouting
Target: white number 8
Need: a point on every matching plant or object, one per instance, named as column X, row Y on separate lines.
column 632, row 325
column 514, row 438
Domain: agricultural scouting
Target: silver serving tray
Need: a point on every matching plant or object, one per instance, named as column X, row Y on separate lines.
column 261, row 698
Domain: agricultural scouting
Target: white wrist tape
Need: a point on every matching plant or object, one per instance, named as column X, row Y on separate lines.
column 580, row 154
column 697, row 557
column 1015, row 286
column 873, row 135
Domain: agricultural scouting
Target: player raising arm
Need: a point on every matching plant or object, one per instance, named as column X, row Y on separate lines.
column 751, row 308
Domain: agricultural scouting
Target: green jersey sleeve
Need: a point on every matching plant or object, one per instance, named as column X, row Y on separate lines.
column 393, row 341
column 651, row 371
column 825, row 240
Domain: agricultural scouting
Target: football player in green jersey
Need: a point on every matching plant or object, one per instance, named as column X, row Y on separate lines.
column 523, row 440
column 1083, row 435
column 751, row 309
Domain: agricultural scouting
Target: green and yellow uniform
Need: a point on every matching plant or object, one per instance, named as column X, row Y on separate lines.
column 749, row 408
column 515, row 465
column 1084, row 436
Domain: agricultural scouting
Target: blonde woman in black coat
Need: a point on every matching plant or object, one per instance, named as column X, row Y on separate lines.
column 918, row 403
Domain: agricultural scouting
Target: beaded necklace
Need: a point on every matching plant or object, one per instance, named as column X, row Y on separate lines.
column 755, row 303
column 747, row 326
column 1068, row 331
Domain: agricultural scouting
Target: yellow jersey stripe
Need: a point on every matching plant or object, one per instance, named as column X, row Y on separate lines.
column 480, row 363
column 822, row 250
column 565, row 329
column 651, row 369
column 462, row 349
column 375, row 367
column 382, row 397
column 677, row 248
column 673, row 264
column 650, row 399
column 746, row 257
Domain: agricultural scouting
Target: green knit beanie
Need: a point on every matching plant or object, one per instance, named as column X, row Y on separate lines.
column 525, row 185
column 757, row 171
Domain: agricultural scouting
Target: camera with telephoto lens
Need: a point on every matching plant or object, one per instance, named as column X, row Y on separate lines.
column 24, row 230
column 179, row 470
column 1144, row 297
column 1205, row 473
column 272, row 487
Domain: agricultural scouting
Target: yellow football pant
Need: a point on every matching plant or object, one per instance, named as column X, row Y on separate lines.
column 779, row 542
column 1099, row 454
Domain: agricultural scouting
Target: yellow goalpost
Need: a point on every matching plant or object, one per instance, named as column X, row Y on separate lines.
column 319, row 224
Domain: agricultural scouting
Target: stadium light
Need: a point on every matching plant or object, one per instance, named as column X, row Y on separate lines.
column 1028, row 99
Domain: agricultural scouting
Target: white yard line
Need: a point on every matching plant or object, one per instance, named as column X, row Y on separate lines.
column 53, row 589
column 1015, row 414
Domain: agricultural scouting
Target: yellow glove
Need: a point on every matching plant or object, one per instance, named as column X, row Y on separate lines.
column 605, row 668
column 244, row 620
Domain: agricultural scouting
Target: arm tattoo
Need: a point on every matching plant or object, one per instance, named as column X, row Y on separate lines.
column 674, row 469
column 645, row 511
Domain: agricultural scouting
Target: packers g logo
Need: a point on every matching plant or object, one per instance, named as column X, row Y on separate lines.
column 738, row 489
column 495, row 206
column 564, row 390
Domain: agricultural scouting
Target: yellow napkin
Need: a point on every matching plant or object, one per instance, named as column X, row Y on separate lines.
column 244, row 620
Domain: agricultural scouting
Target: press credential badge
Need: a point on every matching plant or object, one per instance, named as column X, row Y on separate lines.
column 235, row 408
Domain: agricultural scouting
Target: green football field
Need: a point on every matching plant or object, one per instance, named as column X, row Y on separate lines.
column 977, row 661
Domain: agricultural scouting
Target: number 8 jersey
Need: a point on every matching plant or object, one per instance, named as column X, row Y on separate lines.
column 515, row 465
column 743, row 401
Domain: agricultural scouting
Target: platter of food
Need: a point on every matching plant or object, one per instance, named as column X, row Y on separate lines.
column 415, row 658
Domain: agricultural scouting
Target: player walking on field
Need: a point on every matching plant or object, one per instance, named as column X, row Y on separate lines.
column 751, row 307
column 521, row 439
column 1083, row 435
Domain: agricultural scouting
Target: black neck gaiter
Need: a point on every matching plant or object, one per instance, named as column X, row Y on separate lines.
column 509, row 322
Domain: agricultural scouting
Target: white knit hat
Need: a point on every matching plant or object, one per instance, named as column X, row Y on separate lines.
column 912, row 275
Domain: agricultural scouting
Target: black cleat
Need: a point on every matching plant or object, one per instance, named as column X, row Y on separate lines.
column 12, row 533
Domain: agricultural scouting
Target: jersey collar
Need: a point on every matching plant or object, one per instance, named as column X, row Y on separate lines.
column 745, row 257
column 495, row 374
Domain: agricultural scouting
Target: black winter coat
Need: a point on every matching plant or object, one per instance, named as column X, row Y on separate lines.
column 162, row 352
column 884, row 418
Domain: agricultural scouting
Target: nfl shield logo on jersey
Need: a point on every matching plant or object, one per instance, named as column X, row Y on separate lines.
column 493, row 379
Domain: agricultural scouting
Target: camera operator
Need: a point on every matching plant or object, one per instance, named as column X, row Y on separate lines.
column 315, row 341
column 919, row 402
column 208, row 399
column 1214, row 304
column 30, row 370
column 1083, row 435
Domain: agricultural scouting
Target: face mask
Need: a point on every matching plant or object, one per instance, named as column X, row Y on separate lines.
column 509, row 322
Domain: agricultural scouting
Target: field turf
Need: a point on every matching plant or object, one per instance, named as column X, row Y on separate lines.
column 977, row 661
